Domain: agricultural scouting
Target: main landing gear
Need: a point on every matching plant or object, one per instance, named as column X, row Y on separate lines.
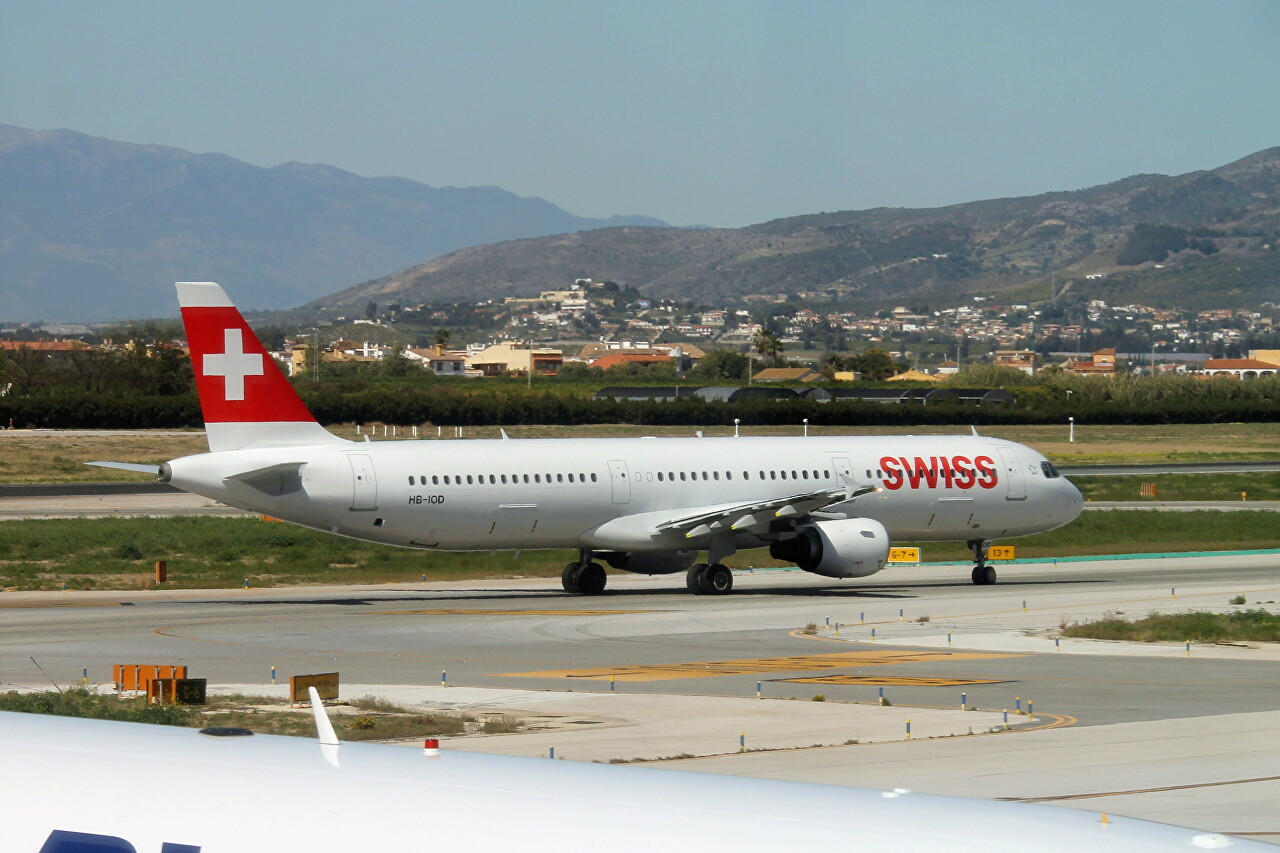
column 983, row 575
column 715, row 579
column 584, row 576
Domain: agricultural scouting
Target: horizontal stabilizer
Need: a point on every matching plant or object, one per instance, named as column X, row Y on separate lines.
column 128, row 466
column 275, row 480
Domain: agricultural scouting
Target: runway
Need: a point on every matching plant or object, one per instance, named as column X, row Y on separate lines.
column 1107, row 718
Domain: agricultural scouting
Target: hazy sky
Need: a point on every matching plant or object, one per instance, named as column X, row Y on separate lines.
column 699, row 112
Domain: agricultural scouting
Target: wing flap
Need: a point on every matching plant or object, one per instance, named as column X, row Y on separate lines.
column 755, row 515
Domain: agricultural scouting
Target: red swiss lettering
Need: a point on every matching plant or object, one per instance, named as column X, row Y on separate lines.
column 892, row 476
column 986, row 472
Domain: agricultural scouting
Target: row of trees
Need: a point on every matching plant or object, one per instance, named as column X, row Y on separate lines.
column 1120, row 400
column 135, row 368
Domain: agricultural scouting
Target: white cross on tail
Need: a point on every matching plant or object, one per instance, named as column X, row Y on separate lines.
column 233, row 364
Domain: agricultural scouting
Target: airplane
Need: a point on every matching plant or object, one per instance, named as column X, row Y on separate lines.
column 832, row 505
column 94, row 786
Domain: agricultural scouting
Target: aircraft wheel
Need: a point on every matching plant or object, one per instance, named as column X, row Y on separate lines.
column 694, row 579
column 718, row 580
column 591, row 579
column 569, row 577
column 983, row 575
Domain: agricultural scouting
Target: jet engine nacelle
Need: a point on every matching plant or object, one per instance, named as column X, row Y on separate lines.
column 846, row 548
column 650, row 562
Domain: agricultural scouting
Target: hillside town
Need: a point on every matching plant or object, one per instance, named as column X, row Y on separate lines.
column 790, row 337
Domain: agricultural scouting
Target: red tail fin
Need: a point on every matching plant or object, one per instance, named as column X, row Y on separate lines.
column 245, row 399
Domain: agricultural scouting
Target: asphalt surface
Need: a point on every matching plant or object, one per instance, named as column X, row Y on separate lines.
column 1149, row 731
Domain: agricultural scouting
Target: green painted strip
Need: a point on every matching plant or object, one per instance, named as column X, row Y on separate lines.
column 1092, row 558
column 1086, row 558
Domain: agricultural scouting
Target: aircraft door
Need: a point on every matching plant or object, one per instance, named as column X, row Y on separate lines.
column 364, row 482
column 1014, row 478
column 843, row 468
column 621, row 482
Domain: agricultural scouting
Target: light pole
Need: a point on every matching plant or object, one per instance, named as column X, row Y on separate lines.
column 806, row 427
column 736, row 421
column 1071, row 434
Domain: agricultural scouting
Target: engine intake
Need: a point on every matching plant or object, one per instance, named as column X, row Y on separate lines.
column 847, row 548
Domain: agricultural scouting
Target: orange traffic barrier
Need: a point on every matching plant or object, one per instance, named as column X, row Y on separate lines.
column 135, row 676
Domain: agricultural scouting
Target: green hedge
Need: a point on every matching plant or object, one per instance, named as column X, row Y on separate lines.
column 406, row 406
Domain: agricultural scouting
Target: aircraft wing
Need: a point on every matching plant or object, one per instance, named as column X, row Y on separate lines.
column 758, row 515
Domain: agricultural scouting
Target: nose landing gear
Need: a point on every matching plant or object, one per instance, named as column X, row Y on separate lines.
column 982, row 575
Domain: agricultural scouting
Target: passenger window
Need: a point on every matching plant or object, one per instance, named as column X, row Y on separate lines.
column 537, row 478
column 659, row 476
column 593, row 478
column 806, row 474
column 526, row 478
column 746, row 475
column 410, row 479
column 492, row 479
column 468, row 479
column 559, row 478
column 728, row 475
column 715, row 475
column 773, row 475
column 682, row 476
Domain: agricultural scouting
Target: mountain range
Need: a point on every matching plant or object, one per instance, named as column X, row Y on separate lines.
column 94, row 229
column 1206, row 239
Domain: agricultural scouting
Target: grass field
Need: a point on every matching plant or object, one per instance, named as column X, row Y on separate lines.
column 220, row 553
column 1182, row 487
column 52, row 456
column 1255, row 625
column 365, row 719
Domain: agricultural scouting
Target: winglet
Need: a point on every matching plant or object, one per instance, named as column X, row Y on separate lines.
column 505, row 437
column 974, row 430
column 324, row 728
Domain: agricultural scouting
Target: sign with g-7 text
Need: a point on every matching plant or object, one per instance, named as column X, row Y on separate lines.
column 325, row 683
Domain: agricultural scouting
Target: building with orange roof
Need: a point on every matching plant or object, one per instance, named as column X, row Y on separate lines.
column 618, row 359
column 1240, row 368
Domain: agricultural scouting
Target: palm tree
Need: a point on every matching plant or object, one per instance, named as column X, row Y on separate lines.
column 442, row 339
column 768, row 345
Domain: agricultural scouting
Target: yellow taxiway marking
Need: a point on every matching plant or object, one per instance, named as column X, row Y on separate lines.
column 894, row 680
column 753, row 666
column 457, row 611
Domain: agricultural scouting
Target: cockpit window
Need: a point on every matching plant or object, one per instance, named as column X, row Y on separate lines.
column 1049, row 471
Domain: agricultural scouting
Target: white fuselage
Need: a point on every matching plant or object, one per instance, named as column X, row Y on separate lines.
column 586, row 493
